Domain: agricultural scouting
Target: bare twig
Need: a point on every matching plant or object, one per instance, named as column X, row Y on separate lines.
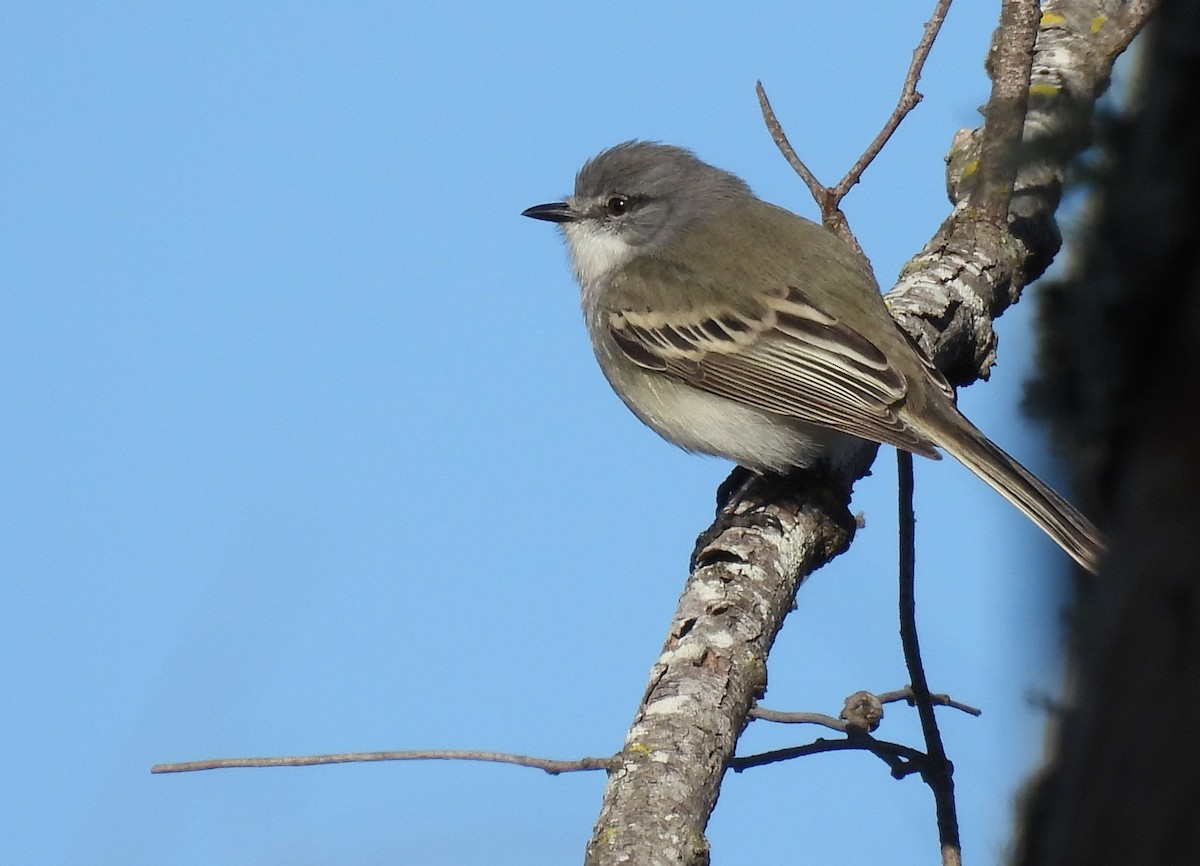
column 829, row 198
column 909, row 98
column 941, row 700
column 937, row 771
column 901, row 760
column 786, row 718
column 551, row 766
column 819, row 191
column 831, row 213
column 797, row 718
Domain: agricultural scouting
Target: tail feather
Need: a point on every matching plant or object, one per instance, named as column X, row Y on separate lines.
column 1059, row 519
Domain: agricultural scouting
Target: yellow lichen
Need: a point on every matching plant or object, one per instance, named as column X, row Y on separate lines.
column 1052, row 19
column 1098, row 22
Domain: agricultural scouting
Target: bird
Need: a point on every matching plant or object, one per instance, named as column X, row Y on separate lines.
column 734, row 327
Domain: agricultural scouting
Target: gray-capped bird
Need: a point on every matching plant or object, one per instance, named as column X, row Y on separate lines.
column 734, row 327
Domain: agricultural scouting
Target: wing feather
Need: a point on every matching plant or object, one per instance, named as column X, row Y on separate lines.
column 787, row 357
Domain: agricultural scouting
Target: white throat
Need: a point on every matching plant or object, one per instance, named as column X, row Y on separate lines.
column 595, row 254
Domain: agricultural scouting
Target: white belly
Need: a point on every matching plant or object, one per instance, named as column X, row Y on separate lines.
column 709, row 424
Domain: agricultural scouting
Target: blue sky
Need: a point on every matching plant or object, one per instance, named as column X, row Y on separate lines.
column 303, row 448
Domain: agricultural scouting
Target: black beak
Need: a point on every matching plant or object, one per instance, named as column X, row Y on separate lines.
column 554, row 212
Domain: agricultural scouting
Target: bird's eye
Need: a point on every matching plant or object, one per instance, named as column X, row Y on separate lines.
column 617, row 205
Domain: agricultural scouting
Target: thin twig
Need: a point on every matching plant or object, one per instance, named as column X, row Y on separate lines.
column 902, row 760
column 909, row 98
column 551, row 766
column 941, row 700
column 937, row 771
column 787, row 718
column 829, row 198
column 819, row 191
column 832, row 216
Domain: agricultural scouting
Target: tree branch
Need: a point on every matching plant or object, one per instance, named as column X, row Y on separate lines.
column 665, row 780
column 1010, row 60
column 974, row 268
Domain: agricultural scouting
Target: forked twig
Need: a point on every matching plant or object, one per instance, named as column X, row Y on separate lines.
column 909, row 98
column 829, row 198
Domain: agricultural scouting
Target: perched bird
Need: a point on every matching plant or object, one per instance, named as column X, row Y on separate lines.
column 734, row 327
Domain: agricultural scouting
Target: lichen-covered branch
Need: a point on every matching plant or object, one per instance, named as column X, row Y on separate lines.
column 974, row 268
column 664, row 782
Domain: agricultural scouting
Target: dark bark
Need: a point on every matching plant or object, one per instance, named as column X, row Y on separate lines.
column 1124, row 787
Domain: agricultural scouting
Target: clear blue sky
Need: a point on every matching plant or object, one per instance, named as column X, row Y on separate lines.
column 303, row 448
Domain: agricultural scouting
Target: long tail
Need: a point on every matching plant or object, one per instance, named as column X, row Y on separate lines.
column 1059, row 519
